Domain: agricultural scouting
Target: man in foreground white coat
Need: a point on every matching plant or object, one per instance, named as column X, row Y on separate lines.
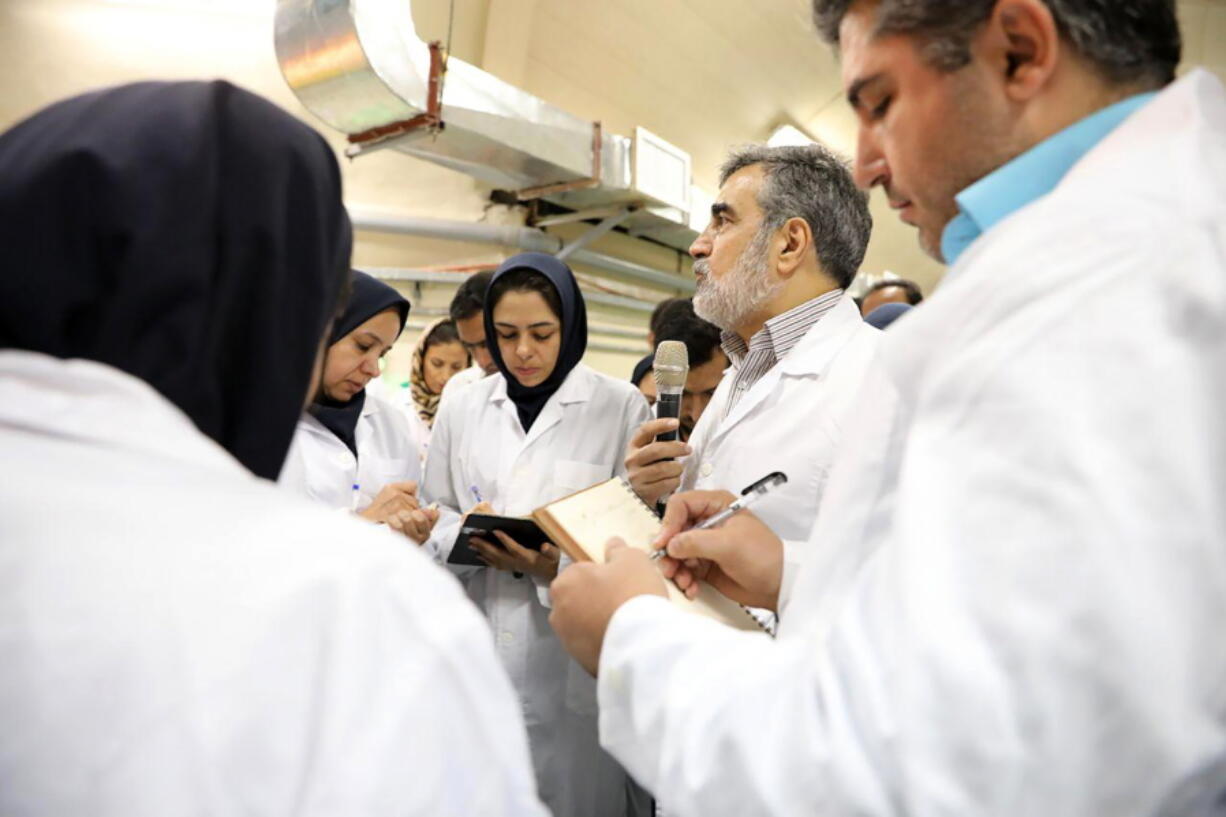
column 1016, row 586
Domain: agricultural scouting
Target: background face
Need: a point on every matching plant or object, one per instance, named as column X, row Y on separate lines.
column 472, row 334
column 700, row 386
column 353, row 360
column 443, row 361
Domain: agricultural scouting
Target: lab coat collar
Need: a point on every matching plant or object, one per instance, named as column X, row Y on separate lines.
column 1030, row 176
column 809, row 358
column 1162, row 149
column 576, row 388
column 311, row 422
column 1168, row 139
column 100, row 405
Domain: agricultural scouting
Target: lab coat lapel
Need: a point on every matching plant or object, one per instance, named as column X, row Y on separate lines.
column 809, row 358
column 756, row 394
column 575, row 389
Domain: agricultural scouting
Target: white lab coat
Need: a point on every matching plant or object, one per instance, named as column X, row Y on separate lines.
column 321, row 467
column 1015, row 599
column 791, row 420
column 578, row 440
column 457, row 383
column 178, row 636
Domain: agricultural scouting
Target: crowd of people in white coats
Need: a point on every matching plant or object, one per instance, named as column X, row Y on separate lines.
column 994, row 582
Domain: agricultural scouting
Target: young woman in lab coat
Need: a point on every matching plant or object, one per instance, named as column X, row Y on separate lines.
column 438, row 356
column 547, row 427
column 353, row 451
column 189, row 637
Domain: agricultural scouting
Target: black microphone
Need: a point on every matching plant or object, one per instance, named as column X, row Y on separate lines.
column 671, row 367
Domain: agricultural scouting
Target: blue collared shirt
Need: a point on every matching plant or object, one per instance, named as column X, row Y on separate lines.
column 1030, row 176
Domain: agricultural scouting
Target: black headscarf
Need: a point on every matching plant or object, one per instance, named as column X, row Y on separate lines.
column 367, row 298
column 529, row 401
column 190, row 234
column 642, row 369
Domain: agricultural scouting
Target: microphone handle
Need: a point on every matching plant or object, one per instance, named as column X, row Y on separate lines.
column 668, row 404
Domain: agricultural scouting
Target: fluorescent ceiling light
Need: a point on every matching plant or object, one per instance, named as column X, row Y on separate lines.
column 788, row 135
column 249, row 7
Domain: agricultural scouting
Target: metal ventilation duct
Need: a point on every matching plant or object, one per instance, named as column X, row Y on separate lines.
column 360, row 67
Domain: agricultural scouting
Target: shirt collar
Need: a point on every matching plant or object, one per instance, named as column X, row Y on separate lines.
column 1029, row 177
column 782, row 332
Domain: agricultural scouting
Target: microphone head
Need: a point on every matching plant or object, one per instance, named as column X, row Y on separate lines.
column 671, row 365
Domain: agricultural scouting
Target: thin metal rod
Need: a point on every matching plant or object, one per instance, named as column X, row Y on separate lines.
column 594, row 233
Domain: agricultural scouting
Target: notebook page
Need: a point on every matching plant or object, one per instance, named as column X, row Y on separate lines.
column 593, row 516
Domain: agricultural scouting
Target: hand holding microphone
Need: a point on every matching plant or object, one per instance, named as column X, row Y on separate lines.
column 652, row 454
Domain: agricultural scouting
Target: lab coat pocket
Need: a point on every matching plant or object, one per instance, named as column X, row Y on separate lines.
column 572, row 475
column 379, row 471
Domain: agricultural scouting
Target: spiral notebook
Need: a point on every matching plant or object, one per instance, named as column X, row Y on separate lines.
column 582, row 523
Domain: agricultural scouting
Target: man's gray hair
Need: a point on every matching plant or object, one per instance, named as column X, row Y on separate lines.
column 1130, row 42
column 815, row 184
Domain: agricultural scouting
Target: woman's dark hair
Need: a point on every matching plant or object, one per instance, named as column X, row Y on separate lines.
column 526, row 280
column 441, row 335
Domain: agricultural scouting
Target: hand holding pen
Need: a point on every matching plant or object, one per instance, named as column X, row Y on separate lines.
column 741, row 556
column 749, row 496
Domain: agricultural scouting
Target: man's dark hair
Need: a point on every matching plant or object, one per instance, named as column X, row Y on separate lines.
column 812, row 183
column 661, row 311
column 700, row 337
column 1131, row 42
column 914, row 293
column 469, row 299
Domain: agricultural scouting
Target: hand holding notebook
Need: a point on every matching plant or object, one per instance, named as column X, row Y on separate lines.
column 583, row 523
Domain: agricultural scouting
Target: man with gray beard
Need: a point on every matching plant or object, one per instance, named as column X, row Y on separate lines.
column 787, row 234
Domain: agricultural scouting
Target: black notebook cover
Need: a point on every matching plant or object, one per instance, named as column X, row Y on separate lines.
column 524, row 531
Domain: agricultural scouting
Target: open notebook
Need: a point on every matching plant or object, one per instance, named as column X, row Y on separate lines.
column 581, row 523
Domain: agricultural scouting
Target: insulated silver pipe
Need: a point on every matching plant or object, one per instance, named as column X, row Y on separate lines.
column 508, row 235
column 455, row 279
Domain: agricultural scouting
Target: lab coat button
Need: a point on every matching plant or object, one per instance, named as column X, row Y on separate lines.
column 706, row 469
column 505, row 637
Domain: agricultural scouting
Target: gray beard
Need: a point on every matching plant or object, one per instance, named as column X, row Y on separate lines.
column 746, row 288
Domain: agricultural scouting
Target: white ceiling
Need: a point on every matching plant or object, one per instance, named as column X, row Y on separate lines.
column 703, row 74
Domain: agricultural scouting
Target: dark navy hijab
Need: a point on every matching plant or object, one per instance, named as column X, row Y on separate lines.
column 642, row 369
column 529, row 401
column 190, row 234
column 367, row 298
column 886, row 314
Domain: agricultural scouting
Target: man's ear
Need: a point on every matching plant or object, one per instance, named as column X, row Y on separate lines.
column 1021, row 43
column 797, row 243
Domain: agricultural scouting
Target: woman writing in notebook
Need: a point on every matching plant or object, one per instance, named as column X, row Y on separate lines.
column 352, row 451
column 549, row 426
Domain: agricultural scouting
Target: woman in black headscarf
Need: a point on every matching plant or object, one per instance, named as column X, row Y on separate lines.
column 168, row 253
column 549, row 426
column 174, row 629
column 353, row 451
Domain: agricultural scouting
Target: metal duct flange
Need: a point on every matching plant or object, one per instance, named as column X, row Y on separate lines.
column 360, row 67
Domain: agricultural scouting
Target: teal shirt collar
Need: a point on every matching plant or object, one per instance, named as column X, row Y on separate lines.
column 1030, row 176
